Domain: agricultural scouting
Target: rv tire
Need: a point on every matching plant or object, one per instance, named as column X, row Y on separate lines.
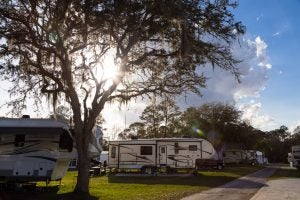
column 220, row 167
column 148, row 170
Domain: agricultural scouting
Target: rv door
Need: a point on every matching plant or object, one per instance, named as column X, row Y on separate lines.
column 113, row 156
column 162, row 155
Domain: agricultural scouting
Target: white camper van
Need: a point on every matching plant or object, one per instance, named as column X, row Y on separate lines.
column 295, row 156
column 148, row 155
column 34, row 149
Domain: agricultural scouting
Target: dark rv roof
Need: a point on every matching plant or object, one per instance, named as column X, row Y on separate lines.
column 31, row 126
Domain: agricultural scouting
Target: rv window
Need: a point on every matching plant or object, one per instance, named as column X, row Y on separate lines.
column 19, row 140
column 162, row 149
column 176, row 148
column 146, row 150
column 65, row 141
column 193, row 148
column 113, row 152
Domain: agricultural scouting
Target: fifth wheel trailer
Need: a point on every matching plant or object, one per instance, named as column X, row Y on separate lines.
column 38, row 149
column 34, row 149
column 167, row 153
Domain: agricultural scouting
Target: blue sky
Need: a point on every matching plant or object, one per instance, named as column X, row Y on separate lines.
column 278, row 24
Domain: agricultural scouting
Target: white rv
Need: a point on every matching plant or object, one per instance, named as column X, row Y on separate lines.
column 95, row 148
column 290, row 161
column 295, row 156
column 150, row 155
column 254, row 157
column 238, row 156
column 234, row 156
column 34, row 149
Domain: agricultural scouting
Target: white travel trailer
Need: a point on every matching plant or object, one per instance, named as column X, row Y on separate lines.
column 34, row 149
column 290, row 161
column 259, row 157
column 238, row 156
column 234, row 156
column 295, row 156
column 150, row 155
column 254, row 157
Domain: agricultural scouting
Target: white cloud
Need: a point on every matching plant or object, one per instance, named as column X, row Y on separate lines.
column 260, row 46
column 261, row 55
column 252, row 113
column 120, row 116
column 259, row 17
column 276, row 34
column 222, row 86
column 294, row 126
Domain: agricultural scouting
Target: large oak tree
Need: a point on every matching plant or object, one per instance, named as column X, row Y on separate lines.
column 58, row 48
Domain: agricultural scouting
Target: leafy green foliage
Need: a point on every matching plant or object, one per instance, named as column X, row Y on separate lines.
column 216, row 122
column 159, row 121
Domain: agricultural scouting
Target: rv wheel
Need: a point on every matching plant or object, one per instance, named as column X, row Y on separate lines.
column 147, row 170
column 143, row 170
column 220, row 166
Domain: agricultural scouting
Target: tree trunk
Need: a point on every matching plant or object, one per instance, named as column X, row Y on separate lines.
column 82, row 145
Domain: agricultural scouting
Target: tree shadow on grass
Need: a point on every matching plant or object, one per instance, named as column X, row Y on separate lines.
column 44, row 193
column 200, row 180
column 173, row 180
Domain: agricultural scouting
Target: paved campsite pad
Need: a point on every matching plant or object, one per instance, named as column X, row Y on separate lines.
column 242, row 188
column 280, row 189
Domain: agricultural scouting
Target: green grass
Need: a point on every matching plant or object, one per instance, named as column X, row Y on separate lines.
column 136, row 188
column 286, row 172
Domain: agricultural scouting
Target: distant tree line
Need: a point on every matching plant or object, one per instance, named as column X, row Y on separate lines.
column 221, row 124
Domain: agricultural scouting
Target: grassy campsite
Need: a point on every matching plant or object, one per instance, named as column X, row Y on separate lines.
column 136, row 187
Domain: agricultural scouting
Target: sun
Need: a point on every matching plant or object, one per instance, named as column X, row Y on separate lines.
column 104, row 69
column 107, row 69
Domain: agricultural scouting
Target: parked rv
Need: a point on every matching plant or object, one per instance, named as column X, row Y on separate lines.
column 259, row 157
column 290, row 161
column 295, row 156
column 38, row 149
column 95, row 149
column 238, row 156
column 234, row 156
column 150, row 155
column 34, row 149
